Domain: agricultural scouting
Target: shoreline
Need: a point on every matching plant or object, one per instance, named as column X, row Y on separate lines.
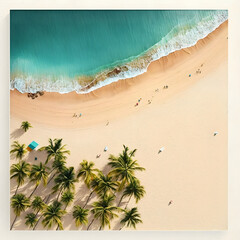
column 193, row 168
column 157, row 69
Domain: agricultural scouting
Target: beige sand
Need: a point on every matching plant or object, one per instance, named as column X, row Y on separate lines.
column 192, row 169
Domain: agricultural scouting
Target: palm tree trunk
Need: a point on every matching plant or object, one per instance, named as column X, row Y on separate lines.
column 48, row 198
column 37, row 222
column 90, row 223
column 121, row 227
column 59, row 194
column 33, row 191
column 13, row 222
column 36, row 217
column 128, row 201
column 88, row 198
column 16, row 190
column 120, row 200
column 51, row 178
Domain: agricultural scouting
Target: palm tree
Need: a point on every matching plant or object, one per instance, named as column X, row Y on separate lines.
column 94, row 186
column 31, row 220
column 87, row 172
column 133, row 189
column 131, row 218
column 80, row 215
column 53, row 215
column 106, row 185
column 54, row 149
column 19, row 171
column 18, row 149
column 124, row 167
column 58, row 165
column 104, row 211
column 26, row 125
column 37, row 205
column 65, row 181
column 67, row 198
column 19, row 203
column 38, row 173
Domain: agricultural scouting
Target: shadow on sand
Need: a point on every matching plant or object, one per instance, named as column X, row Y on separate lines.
column 17, row 133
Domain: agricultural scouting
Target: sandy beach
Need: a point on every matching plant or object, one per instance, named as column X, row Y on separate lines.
column 192, row 169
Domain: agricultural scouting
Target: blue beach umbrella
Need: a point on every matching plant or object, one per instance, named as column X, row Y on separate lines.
column 32, row 146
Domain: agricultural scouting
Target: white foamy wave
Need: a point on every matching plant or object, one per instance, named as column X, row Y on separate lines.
column 185, row 37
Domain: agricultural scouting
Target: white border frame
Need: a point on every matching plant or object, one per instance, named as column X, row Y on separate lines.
column 233, row 120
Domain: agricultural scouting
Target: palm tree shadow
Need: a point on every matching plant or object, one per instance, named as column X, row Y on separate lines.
column 95, row 225
column 17, row 133
column 117, row 226
column 82, row 195
column 13, row 157
column 106, row 169
column 34, row 157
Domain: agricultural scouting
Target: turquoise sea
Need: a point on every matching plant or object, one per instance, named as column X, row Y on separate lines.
column 78, row 50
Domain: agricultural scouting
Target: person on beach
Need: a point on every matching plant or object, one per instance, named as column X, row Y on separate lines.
column 170, row 202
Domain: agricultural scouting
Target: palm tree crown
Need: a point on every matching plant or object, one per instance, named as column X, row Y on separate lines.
column 52, row 215
column 38, row 204
column 124, row 166
column 39, row 173
column 87, row 172
column 31, row 220
column 104, row 210
column 134, row 189
column 19, row 203
column 59, row 163
column 80, row 215
column 131, row 218
column 20, row 171
column 65, row 180
column 18, row 149
column 26, row 125
column 106, row 185
column 67, row 197
column 54, row 149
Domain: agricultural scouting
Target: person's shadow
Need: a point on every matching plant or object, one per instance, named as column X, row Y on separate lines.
column 17, row 133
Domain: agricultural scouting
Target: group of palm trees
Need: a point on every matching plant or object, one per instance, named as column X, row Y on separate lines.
column 119, row 183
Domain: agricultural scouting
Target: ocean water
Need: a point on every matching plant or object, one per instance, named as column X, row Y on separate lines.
column 64, row 51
